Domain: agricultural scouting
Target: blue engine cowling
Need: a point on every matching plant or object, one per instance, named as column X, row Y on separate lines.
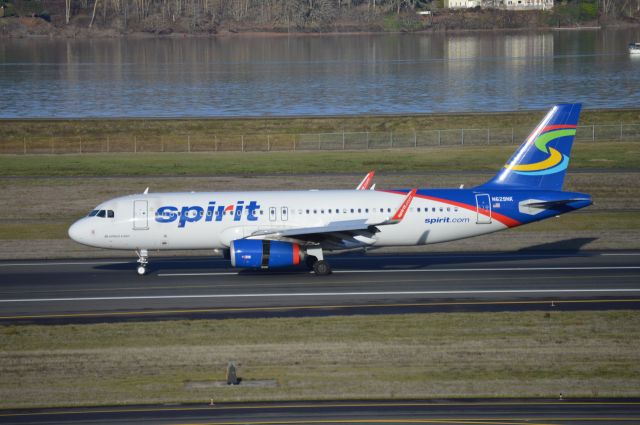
column 253, row 253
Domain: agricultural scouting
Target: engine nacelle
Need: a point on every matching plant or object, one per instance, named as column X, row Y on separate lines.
column 252, row 253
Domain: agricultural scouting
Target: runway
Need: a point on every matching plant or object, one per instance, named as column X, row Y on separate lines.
column 496, row 412
column 108, row 290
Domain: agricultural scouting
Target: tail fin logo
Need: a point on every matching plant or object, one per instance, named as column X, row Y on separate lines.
column 555, row 161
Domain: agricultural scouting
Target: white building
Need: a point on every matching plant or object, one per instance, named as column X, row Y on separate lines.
column 522, row 4
column 461, row 4
column 500, row 4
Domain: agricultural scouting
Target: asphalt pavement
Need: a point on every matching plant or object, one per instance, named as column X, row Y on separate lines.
column 110, row 290
column 496, row 412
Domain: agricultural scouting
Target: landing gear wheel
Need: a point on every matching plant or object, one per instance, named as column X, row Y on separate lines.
column 321, row 268
column 142, row 270
column 310, row 261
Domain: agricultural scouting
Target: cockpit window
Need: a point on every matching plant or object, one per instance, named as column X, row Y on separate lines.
column 102, row 213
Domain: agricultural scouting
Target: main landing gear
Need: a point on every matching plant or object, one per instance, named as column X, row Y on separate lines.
column 315, row 261
column 143, row 261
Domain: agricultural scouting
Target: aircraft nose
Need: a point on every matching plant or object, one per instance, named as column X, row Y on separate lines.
column 77, row 231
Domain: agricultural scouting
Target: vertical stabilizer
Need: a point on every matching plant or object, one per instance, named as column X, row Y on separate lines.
column 542, row 160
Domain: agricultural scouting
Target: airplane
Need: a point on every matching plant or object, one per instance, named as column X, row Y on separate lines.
column 271, row 229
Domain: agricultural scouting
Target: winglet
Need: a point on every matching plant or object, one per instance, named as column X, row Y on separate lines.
column 364, row 184
column 402, row 211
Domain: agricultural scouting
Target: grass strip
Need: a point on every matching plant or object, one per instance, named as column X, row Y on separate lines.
column 613, row 155
column 528, row 354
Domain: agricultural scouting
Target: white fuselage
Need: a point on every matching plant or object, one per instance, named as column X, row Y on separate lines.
column 211, row 220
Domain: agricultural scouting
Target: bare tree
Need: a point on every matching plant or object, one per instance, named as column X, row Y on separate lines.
column 93, row 15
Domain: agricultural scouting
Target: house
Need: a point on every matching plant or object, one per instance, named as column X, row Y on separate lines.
column 461, row 4
column 521, row 4
column 500, row 4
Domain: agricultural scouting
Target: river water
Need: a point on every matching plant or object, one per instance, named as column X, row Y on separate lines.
column 317, row 75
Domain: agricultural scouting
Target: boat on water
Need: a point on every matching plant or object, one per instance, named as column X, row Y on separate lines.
column 634, row 48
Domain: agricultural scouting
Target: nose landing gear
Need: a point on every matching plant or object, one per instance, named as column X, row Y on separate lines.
column 143, row 261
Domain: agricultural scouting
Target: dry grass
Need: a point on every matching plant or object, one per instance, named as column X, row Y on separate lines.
column 400, row 356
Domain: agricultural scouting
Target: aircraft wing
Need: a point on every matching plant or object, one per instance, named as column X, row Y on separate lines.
column 333, row 227
column 344, row 232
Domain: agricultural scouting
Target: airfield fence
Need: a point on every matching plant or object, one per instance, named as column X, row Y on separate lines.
column 299, row 142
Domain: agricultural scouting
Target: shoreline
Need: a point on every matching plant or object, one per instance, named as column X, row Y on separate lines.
column 390, row 115
column 50, row 31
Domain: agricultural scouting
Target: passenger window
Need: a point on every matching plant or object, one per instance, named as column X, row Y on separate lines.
column 352, row 210
column 359, row 210
column 337, row 211
column 329, row 210
column 307, row 211
column 418, row 209
column 448, row 209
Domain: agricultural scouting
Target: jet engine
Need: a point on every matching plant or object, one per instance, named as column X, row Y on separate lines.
column 252, row 253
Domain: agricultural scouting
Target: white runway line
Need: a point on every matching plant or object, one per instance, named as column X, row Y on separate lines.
column 511, row 269
column 327, row 294
column 78, row 263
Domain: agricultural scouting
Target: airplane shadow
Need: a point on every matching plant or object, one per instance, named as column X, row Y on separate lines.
column 360, row 261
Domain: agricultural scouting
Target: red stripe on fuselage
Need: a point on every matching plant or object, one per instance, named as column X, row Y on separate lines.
column 507, row 221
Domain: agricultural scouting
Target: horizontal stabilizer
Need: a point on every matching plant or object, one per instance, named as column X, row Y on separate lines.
column 551, row 204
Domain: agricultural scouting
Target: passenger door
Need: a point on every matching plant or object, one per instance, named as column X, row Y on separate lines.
column 483, row 208
column 140, row 215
